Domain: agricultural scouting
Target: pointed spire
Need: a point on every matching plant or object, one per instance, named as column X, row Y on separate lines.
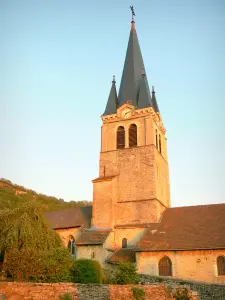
column 154, row 102
column 144, row 97
column 132, row 70
column 112, row 103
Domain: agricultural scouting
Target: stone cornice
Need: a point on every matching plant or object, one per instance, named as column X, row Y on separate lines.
column 137, row 113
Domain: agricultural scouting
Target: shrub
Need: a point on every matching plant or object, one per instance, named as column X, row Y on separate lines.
column 38, row 266
column 66, row 296
column 181, row 294
column 126, row 274
column 87, row 271
column 138, row 293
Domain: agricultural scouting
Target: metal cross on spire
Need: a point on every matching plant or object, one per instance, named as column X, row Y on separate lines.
column 132, row 11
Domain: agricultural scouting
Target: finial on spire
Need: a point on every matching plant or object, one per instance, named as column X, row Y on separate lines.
column 114, row 78
column 132, row 11
column 153, row 90
column 133, row 14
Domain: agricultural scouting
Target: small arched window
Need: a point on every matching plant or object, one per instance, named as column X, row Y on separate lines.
column 165, row 266
column 133, row 135
column 221, row 265
column 120, row 137
column 160, row 145
column 156, row 139
column 71, row 245
column 124, row 243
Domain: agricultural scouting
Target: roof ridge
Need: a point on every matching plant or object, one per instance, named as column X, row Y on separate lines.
column 211, row 204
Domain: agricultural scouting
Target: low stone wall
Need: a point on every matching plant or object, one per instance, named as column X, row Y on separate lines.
column 43, row 291
column 33, row 291
column 205, row 291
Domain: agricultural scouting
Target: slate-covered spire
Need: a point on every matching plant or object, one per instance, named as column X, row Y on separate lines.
column 154, row 102
column 132, row 70
column 112, row 103
column 144, row 96
column 133, row 67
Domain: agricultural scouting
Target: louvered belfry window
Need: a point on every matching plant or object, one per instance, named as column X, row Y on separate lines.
column 133, row 135
column 165, row 266
column 120, row 137
column 221, row 265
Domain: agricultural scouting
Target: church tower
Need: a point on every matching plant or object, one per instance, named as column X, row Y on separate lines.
column 133, row 183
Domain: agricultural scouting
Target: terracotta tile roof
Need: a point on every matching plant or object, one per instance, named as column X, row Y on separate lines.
column 187, row 228
column 93, row 237
column 124, row 255
column 73, row 217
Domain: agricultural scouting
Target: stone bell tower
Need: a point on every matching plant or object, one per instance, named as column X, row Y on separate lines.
column 133, row 183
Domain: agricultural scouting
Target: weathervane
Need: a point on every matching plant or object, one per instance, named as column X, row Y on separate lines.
column 133, row 13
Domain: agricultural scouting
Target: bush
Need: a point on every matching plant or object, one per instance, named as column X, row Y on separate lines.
column 66, row 296
column 138, row 293
column 38, row 266
column 126, row 274
column 181, row 294
column 87, row 271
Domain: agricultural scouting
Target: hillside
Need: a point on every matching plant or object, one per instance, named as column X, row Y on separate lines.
column 13, row 195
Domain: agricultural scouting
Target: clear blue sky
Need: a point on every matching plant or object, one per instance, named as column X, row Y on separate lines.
column 57, row 59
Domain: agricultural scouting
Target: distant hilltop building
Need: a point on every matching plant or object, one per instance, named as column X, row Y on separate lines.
column 131, row 218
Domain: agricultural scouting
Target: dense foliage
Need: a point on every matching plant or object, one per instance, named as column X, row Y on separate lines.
column 25, row 227
column 13, row 195
column 38, row 266
column 126, row 274
column 87, row 271
column 32, row 250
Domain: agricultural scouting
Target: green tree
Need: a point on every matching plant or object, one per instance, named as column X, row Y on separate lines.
column 39, row 266
column 32, row 250
column 26, row 227
column 126, row 274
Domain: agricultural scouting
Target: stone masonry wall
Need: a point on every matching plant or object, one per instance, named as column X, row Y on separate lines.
column 43, row 291
column 205, row 291
column 189, row 265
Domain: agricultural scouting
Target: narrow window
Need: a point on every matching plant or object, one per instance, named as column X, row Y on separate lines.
column 69, row 245
column 156, row 139
column 160, row 149
column 93, row 255
column 73, row 247
column 221, row 265
column 124, row 243
column 133, row 135
column 165, row 266
column 120, row 137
